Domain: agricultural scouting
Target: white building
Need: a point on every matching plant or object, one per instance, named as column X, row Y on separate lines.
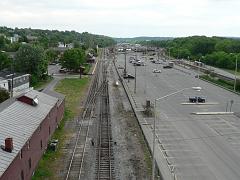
column 20, row 82
column 3, row 83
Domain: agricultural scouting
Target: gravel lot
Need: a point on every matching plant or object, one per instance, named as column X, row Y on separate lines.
column 131, row 153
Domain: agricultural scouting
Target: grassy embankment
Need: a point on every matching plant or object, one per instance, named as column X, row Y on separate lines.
column 226, row 84
column 74, row 90
column 42, row 83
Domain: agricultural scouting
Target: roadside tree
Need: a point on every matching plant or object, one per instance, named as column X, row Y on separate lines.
column 31, row 59
column 4, row 95
column 4, row 61
column 72, row 59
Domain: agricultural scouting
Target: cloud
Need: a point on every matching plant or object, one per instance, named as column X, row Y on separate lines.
column 125, row 17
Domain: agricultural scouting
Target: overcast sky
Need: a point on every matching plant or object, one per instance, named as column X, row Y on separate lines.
column 126, row 18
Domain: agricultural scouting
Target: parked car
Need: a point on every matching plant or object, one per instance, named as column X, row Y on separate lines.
column 158, row 62
column 138, row 63
column 157, row 71
column 63, row 70
column 167, row 67
column 120, row 67
column 128, row 76
column 197, row 99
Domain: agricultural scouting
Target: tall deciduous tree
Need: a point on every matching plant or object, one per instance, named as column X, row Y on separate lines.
column 4, row 61
column 51, row 55
column 73, row 58
column 31, row 59
column 4, row 95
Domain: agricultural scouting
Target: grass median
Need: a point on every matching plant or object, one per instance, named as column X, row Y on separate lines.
column 75, row 91
column 224, row 83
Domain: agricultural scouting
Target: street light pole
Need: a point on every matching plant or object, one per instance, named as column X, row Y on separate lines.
column 235, row 81
column 125, row 65
column 154, row 123
column 135, row 82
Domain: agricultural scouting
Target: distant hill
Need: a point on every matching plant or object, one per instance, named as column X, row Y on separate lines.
column 142, row 38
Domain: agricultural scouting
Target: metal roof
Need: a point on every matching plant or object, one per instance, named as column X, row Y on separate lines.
column 19, row 121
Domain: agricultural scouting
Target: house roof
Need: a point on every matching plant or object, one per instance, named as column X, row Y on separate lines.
column 7, row 74
column 19, row 121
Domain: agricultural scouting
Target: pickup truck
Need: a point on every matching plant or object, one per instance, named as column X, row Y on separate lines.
column 197, row 99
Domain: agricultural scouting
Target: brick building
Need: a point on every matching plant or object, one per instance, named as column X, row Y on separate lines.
column 26, row 125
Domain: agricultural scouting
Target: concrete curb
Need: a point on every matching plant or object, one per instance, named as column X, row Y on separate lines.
column 209, row 103
column 212, row 113
column 220, row 86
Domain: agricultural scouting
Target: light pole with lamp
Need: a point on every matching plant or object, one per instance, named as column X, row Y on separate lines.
column 154, row 123
column 169, row 52
column 235, row 81
column 125, row 63
column 135, row 82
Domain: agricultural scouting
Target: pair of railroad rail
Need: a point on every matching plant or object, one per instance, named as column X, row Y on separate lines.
column 104, row 166
column 104, row 158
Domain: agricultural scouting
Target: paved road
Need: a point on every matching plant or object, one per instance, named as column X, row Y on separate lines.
column 194, row 146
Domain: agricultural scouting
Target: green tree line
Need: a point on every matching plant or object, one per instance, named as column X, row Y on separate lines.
column 50, row 38
column 216, row 51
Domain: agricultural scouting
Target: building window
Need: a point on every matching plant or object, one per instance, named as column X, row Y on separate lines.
column 21, row 155
column 29, row 163
column 56, row 120
column 39, row 128
column 22, row 175
column 49, row 130
column 41, row 144
column 28, row 144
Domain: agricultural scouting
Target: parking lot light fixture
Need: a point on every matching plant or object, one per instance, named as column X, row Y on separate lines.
column 235, row 80
column 155, row 118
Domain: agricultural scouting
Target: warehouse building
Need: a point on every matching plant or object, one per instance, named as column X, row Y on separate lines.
column 26, row 125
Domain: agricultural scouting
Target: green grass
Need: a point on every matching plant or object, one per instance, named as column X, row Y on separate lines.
column 42, row 83
column 87, row 68
column 221, row 82
column 232, row 71
column 74, row 90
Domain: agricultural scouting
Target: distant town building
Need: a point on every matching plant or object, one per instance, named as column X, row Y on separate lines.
column 63, row 45
column 15, row 38
column 27, row 123
column 4, row 83
column 20, row 82
column 32, row 39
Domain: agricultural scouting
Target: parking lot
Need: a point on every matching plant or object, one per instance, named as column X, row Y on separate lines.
column 194, row 146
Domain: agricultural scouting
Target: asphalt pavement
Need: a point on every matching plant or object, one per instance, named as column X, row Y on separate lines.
column 193, row 146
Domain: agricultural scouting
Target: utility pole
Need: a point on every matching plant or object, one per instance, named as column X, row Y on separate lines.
column 145, row 81
column 125, row 65
column 12, row 69
column 235, row 81
column 135, row 82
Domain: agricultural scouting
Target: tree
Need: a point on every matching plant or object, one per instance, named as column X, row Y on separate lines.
column 4, row 95
column 72, row 59
column 51, row 55
column 4, row 61
column 31, row 59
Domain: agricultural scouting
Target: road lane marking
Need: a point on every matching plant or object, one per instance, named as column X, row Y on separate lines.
column 208, row 103
column 212, row 113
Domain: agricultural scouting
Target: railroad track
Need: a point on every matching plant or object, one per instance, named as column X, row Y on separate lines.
column 77, row 158
column 104, row 163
